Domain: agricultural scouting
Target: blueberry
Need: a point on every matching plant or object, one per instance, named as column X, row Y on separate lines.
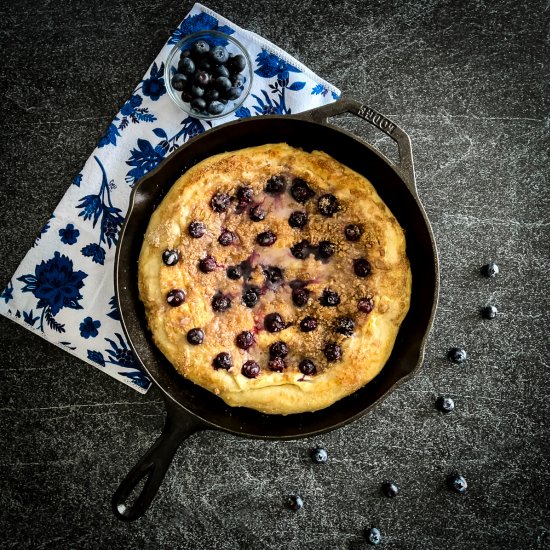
column 275, row 185
column 196, row 229
column 227, row 237
column 307, row 367
column 326, row 249
column 220, row 202
column 244, row 339
column 176, row 297
column 208, row 264
column 200, row 47
column 390, row 489
column 223, row 361
column 204, row 64
column 257, row 213
column 237, row 63
column 251, row 296
column 233, row 93
column 329, row 298
column 251, row 369
column 457, row 483
column 277, row 364
column 372, row 535
column 365, row 305
column 186, row 66
column 215, row 107
column 445, row 404
column 344, row 325
column 332, row 351
column 222, row 84
column 221, row 70
column 238, row 81
column 319, row 455
column 179, row 82
column 186, row 96
column 297, row 219
column 308, row 324
column 295, row 502
column 490, row 270
column 170, row 257
column 273, row 274
column 300, row 296
column 328, row 205
column 195, row 336
column 234, row 272
column 198, row 104
column 245, row 194
column 489, row 312
column 278, row 349
column 362, row 267
column 266, row 238
column 197, row 92
column 211, row 95
column 273, row 322
column 301, row 250
column 221, row 302
column 219, row 54
column 353, row 232
column 457, row 355
column 301, row 191
column 202, row 78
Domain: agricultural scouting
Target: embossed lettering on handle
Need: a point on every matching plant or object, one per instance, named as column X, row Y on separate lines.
column 376, row 119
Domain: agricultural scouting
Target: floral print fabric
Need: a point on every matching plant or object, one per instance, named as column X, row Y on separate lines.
column 63, row 289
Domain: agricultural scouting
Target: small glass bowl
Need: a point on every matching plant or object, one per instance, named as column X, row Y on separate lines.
column 213, row 38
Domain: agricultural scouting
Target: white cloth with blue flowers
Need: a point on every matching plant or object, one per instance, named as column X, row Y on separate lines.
column 63, row 290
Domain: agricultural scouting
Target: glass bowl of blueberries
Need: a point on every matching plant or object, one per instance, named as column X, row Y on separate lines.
column 208, row 74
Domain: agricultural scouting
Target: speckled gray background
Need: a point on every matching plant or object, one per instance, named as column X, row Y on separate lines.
column 469, row 82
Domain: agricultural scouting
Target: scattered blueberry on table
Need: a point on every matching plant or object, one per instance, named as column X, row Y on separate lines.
column 490, row 270
column 489, row 312
column 457, row 355
column 445, row 404
column 319, row 455
column 373, row 535
column 390, row 489
column 295, row 502
column 457, row 483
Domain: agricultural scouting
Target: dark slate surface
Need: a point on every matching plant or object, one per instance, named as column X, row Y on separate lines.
column 469, row 82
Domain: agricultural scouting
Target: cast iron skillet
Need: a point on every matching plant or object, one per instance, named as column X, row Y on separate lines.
column 191, row 408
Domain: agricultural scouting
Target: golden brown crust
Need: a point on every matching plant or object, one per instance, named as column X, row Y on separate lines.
column 382, row 243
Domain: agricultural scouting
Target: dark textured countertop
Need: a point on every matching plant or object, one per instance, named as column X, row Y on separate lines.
column 469, row 83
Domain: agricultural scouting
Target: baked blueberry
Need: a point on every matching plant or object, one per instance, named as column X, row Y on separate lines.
column 300, row 296
column 220, row 202
column 445, row 404
column 251, row 369
column 219, row 54
column 275, row 185
column 244, row 339
column 223, row 361
column 326, row 249
column 344, row 325
column 297, row 219
column 237, row 63
column 295, row 502
column 227, row 237
column 301, row 191
column 365, row 305
column 457, row 355
column 277, row 364
column 176, row 297
column 251, row 296
column 179, row 81
column 221, row 302
column 373, row 535
column 489, row 312
column 329, row 298
column 328, row 205
column 266, row 238
column 353, row 232
column 390, row 489
column 362, row 267
column 307, row 367
column 273, row 274
column 170, row 257
column 195, row 336
column 196, row 229
column 278, row 349
column 457, row 483
column 273, row 322
column 245, row 194
column 308, row 324
column 208, row 264
column 200, row 47
column 301, row 250
column 332, row 351
column 234, row 272
column 319, row 455
column 256, row 213
column 490, row 270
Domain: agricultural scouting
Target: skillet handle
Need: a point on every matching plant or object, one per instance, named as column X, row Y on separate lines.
column 405, row 167
column 153, row 465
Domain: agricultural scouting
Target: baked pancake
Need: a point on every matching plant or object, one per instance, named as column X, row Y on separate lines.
column 275, row 278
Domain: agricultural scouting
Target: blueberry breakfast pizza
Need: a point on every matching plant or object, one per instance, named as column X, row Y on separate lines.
column 275, row 278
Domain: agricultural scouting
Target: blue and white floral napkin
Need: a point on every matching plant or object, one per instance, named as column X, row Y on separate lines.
column 63, row 290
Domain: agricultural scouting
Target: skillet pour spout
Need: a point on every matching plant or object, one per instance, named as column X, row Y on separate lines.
column 191, row 408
